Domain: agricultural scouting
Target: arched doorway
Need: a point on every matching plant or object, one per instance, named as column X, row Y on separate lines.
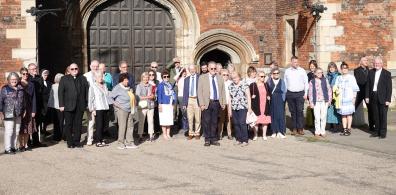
column 137, row 31
column 218, row 56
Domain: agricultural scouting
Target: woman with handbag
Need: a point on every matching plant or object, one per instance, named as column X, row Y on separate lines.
column 145, row 98
column 166, row 97
column 11, row 110
column 277, row 88
column 28, row 124
column 260, row 98
column 123, row 101
column 240, row 104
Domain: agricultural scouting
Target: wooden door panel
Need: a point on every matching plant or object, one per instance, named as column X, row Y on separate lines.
column 138, row 31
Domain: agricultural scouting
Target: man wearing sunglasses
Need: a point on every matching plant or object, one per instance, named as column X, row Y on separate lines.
column 73, row 100
column 211, row 98
column 154, row 67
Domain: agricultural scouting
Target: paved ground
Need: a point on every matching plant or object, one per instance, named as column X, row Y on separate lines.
column 297, row 165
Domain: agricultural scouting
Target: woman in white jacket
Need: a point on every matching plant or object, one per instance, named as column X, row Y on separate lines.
column 98, row 104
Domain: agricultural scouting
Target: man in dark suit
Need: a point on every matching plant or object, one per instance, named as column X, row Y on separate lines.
column 190, row 103
column 73, row 99
column 378, row 94
column 211, row 98
column 361, row 76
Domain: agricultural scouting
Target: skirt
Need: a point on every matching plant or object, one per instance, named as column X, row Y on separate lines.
column 166, row 116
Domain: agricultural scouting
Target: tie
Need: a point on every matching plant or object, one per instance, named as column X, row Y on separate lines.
column 214, row 88
column 192, row 86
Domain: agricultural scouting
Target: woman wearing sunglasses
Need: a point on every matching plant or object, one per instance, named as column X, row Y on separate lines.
column 277, row 88
column 166, row 97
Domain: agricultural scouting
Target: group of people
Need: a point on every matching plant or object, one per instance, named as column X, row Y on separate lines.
column 215, row 99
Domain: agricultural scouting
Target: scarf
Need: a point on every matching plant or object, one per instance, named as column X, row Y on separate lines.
column 331, row 76
column 323, row 87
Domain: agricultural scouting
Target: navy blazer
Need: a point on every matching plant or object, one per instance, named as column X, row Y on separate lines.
column 186, row 90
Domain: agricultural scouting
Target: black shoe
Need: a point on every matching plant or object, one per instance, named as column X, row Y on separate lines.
column 22, row 149
column 382, row 137
column 70, row 146
column 215, row 143
column 9, row 152
column 374, row 135
column 79, row 146
column 207, row 144
column 28, row 148
column 39, row 145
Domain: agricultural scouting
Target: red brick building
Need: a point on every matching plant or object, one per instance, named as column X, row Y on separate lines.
column 231, row 31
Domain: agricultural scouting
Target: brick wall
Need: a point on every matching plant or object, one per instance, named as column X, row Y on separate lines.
column 367, row 30
column 10, row 18
column 251, row 19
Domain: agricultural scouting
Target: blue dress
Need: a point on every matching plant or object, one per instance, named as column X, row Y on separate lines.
column 277, row 106
column 332, row 116
column 347, row 88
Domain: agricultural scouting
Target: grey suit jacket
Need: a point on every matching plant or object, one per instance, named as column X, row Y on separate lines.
column 204, row 90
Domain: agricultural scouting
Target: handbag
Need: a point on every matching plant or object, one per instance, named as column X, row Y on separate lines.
column 251, row 119
column 143, row 104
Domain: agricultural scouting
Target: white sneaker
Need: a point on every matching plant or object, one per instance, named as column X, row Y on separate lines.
column 273, row 135
column 131, row 146
column 278, row 135
column 265, row 138
column 255, row 138
column 282, row 136
column 121, row 147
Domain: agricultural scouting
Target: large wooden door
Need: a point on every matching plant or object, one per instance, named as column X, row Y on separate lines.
column 137, row 31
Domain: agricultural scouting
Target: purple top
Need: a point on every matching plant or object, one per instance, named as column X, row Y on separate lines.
column 11, row 99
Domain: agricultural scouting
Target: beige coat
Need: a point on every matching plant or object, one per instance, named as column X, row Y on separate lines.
column 204, row 90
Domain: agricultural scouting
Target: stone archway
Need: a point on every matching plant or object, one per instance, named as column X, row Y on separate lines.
column 185, row 18
column 236, row 46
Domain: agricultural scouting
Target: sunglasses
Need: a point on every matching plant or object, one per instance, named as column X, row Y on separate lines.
column 165, row 77
column 25, row 73
column 226, row 75
column 73, row 69
column 262, row 76
column 154, row 67
column 275, row 73
column 151, row 75
column 212, row 68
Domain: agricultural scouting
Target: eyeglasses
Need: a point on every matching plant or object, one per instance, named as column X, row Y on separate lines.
column 226, row 75
column 124, row 67
column 24, row 73
column 72, row 69
column 165, row 77
column 154, row 67
column 151, row 75
column 275, row 73
column 212, row 68
column 262, row 76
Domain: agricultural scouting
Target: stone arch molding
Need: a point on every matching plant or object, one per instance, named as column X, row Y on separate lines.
column 183, row 12
column 240, row 49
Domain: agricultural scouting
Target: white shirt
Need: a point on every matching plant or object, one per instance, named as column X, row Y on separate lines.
column 376, row 78
column 98, row 97
column 159, row 76
column 180, row 86
column 211, row 87
column 90, row 77
column 193, row 85
column 296, row 80
column 226, row 85
column 53, row 101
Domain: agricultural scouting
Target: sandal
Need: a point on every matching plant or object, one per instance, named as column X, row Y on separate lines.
column 344, row 132
column 99, row 144
column 348, row 132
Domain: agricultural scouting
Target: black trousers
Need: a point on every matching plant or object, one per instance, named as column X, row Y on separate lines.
column 295, row 101
column 58, row 123
column 360, row 97
column 210, row 119
column 240, row 126
column 100, row 124
column 380, row 115
column 73, row 126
